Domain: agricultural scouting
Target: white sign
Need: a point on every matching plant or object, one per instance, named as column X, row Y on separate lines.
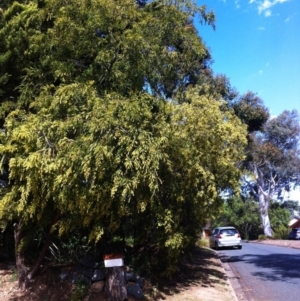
column 117, row 262
column 113, row 260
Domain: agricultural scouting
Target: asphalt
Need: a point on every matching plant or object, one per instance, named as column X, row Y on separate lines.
column 233, row 280
column 233, row 277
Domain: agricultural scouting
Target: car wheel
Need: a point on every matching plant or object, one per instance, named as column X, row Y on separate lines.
column 216, row 246
column 239, row 247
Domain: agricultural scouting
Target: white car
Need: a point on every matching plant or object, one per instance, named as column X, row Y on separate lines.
column 225, row 237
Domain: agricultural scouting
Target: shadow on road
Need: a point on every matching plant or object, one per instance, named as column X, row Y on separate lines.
column 275, row 267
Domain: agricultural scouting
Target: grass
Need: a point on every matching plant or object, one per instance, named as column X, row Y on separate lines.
column 14, row 276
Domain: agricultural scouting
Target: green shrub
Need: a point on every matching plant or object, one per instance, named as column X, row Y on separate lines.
column 282, row 232
column 79, row 292
column 203, row 242
column 262, row 237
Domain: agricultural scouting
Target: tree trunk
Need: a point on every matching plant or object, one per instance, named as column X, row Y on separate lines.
column 40, row 258
column 22, row 272
column 44, row 249
column 264, row 214
column 263, row 199
column 115, row 289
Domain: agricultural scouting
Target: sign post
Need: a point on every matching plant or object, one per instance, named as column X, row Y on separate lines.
column 115, row 289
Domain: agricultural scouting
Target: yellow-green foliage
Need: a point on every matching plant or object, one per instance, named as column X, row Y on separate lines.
column 89, row 145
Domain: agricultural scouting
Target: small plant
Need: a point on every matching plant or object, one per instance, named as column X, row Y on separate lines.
column 203, row 242
column 71, row 249
column 153, row 293
column 79, row 291
column 14, row 276
column 263, row 237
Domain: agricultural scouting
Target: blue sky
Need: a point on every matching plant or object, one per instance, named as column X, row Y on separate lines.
column 256, row 44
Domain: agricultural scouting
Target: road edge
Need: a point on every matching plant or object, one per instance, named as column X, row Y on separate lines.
column 232, row 279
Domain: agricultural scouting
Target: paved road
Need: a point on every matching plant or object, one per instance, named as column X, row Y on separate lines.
column 265, row 272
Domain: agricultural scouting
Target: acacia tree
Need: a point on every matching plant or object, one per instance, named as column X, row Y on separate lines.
column 89, row 140
column 274, row 160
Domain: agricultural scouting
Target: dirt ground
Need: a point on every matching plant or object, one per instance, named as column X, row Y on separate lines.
column 200, row 278
column 283, row 243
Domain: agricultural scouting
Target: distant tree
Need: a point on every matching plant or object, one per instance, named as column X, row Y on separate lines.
column 241, row 213
column 251, row 110
column 273, row 159
column 291, row 206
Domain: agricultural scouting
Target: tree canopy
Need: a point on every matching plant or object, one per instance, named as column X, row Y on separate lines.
column 108, row 126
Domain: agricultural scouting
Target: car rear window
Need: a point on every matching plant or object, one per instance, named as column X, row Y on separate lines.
column 229, row 231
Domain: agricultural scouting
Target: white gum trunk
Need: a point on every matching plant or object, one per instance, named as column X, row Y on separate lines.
column 264, row 214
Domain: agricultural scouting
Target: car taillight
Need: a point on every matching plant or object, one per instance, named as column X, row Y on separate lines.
column 238, row 235
column 219, row 236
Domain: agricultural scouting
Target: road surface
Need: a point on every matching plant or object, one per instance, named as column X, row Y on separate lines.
column 264, row 272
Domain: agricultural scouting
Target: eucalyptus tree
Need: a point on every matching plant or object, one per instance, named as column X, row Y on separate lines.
column 95, row 132
column 274, row 160
column 251, row 110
